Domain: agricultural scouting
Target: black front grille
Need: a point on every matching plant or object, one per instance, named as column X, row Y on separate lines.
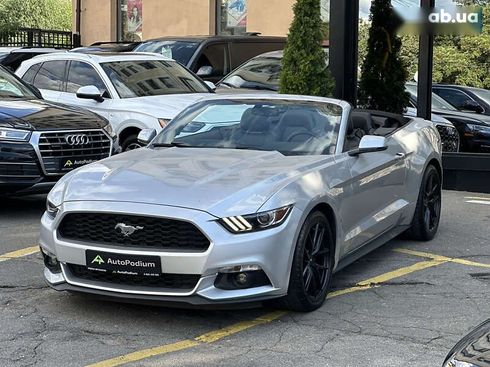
column 449, row 138
column 26, row 170
column 170, row 281
column 55, row 149
column 153, row 233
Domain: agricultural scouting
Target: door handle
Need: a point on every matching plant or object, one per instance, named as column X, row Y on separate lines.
column 400, row 155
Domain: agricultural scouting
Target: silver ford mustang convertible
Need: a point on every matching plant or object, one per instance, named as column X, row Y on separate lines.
column 243, row 198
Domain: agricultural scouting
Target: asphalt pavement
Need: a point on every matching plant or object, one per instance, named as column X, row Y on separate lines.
column 405, row 304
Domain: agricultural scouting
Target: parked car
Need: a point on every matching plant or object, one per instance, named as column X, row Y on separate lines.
column 465, row 98
column 133, row 91
column 473, row 350
column 474, row 131
column 41, row 141
column 107, row 47
column 261, row 73
column 266, row 205
column 212, row 57
column 12, row 57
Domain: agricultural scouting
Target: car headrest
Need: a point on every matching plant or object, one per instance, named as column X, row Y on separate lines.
column 360, row 120
column 295, row 119
column 253, row 121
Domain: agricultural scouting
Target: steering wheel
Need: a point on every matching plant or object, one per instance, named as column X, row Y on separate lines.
column 296, row 133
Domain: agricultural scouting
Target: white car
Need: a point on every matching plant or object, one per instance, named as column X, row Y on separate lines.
column 134, row 91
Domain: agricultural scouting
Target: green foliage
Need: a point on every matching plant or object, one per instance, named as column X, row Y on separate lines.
column 463, row 60
column 304, row 70
column 45, row 14
column 384, row 74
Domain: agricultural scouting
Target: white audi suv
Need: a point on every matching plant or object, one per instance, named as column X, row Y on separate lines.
column 134, row 91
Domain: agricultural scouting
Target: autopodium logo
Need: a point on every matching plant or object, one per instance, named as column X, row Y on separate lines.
column 98, row 260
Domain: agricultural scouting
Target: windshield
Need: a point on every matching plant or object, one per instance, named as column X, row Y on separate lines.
column 151, row 78
column 482, row 93
column 10, row 87
column 290, row 127
column 258, row 73
column 437, row 102
column 180, row 51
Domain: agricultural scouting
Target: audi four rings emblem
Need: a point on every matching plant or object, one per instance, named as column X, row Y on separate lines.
column 78, row 139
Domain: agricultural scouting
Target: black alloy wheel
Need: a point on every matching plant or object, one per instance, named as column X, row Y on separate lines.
column 311, row 270
column 427, row 215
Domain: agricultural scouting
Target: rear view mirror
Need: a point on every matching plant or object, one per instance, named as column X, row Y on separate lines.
column 36, row 91
column 205, row 71
column 369, row 144
column 90, row 92
column 472, row 106
column 210, row 85
column 146, row 136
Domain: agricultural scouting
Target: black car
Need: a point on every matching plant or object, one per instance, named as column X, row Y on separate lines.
column 474, row 130
column 465, row 98
column 12, row 57
column 473, row 350
column 41, row 141
column 212, row 57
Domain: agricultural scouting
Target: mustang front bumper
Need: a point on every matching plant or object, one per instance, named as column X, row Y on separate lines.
column 270, row 250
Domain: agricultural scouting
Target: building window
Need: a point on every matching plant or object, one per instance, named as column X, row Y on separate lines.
column 231, row 17
column 130, row 20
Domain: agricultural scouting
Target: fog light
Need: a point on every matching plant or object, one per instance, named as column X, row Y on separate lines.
column 51, row 262
column 241, row 278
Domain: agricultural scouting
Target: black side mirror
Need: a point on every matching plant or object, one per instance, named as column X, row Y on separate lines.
column 472, row 106
column 36, row 91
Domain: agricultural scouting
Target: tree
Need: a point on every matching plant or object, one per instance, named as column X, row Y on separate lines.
column 45, row 14
column 384, row 74
column 304, row 67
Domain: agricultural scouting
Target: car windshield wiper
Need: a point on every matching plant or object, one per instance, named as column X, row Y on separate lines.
column 172, row 144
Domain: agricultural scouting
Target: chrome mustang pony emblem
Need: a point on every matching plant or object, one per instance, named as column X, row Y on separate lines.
column 126, row 230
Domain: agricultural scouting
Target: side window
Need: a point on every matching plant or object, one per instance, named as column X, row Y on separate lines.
column 82, row 74
column 31, row 73
column 216, row 56
column 244, row 51
column 50, row 75
column 453, row 96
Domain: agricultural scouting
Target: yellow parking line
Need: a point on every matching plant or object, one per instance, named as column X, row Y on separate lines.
column 219, row 334
column 428, row 255
column 477, row 198
column 19, row 253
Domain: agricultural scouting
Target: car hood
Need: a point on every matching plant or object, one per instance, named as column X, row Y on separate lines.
column 218, row 181
column 469, row 117
column 42, row 115
column 166, row 106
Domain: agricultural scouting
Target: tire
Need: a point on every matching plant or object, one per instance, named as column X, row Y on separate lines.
column 427, row 215
column 131, row 143
column 303, row 296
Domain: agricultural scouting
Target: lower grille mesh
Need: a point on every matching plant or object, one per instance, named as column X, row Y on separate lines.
column 170, row 281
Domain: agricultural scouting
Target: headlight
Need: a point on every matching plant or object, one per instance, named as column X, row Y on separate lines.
column 163, row 123
column 55, row 199
column 109, row 130
column 256, row 222
column 14, row 134
column 51, row 209
column 479, row 128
